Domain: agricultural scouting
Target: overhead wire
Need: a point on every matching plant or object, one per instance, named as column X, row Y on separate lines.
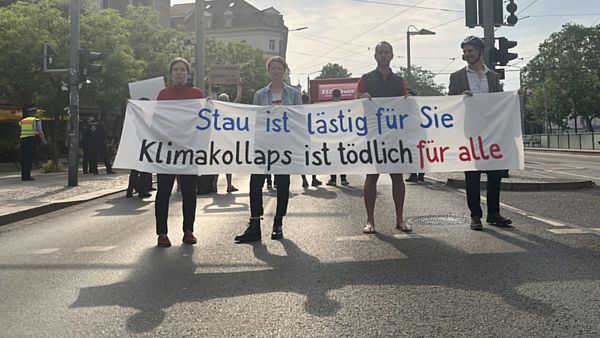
column 363, row 33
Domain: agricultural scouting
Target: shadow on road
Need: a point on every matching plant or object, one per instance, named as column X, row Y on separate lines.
column 163, row 278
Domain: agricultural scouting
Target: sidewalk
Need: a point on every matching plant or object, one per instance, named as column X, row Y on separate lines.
column 49, row 192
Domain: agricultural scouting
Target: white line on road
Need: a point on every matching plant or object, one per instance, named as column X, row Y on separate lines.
column 567, row 231
column 526, row 213
column 95, row 248
column 44, row 251
column 565, row 173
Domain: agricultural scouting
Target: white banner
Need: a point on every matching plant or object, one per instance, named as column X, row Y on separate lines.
column 382, row 135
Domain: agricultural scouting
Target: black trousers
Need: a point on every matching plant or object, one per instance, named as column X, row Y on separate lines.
column 472, row 181
column 163, row 194
column 334, row 178
column 139, row 181
column 283, row 194
column 28, row 148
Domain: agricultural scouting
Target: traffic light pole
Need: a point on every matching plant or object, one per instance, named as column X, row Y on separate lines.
column 488, row 30
column 74, row 95
column 199, row 51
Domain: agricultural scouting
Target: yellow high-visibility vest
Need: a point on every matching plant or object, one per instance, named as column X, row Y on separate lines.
column 28, row 127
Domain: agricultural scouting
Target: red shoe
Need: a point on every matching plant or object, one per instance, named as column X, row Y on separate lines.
column 163, row 241
column 189, row 238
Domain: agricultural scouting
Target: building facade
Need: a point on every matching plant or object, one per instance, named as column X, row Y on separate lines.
column 236, row 20
column 163, row 7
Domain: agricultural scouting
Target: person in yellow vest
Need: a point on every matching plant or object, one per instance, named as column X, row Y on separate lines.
column 31, row 129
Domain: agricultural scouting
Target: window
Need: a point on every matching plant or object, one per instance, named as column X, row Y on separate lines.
column 207, row 6
column 272, row 45
column 228, row 21
column 231, row 4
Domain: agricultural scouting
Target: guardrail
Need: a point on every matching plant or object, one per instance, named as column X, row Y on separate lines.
column 583, row 141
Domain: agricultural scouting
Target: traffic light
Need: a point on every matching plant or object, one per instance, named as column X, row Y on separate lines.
column 511, row 19
column 503, row 54
column 498, row 13
column 500, row 72
column 474, row 13
column 87, row 66
column 471, row 13
column 47, row 56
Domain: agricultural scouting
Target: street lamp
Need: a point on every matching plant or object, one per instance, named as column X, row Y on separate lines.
column 283, row 45
column 408, row 34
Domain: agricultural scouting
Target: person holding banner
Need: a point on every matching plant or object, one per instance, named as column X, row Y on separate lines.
column 179, row 69
column 477, row 78
column 225, row 97
column 275, row 93
column 382, row 82
column 336, row 95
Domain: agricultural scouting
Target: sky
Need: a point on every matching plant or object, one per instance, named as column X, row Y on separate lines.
column 346, row 31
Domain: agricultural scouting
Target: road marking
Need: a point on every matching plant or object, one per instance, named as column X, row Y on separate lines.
column 546, row 220
column 363, row 237
column 565, row 173
column 44, row 251
column 95, row 248
column 525, row 213
column 568, row 231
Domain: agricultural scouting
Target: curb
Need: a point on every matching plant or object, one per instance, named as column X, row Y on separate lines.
column 528, row 186
column 50, row 207
column 558, row 150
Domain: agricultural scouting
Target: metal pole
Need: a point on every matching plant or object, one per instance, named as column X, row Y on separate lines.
column 488, row 30
column 408, row 57
column 74, row 95
column 199, row 51
column 522, row 101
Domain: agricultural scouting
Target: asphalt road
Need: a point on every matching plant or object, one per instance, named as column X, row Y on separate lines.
column 93, row 270
column 565, row 165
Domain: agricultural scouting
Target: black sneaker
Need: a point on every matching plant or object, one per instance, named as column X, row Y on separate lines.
column 476, row 223
column 251, row 234
column 345, row 182
column 304, row 184
column 316, row 183
column 331, row 183
column 498, row 220
column 277, row 232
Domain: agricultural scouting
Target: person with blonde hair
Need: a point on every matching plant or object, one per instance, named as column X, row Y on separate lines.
column 275, row 93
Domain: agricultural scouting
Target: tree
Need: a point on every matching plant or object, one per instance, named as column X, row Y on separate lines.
column 564, row 77
column 106, row 32
column 333, row 71
column 421, row 81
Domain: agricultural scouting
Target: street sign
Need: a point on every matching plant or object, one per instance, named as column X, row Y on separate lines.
column 224, row 74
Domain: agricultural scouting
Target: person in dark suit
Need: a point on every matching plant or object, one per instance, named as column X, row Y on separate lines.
column 476, row 78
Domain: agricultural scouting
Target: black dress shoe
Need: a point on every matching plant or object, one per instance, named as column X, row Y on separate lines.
column 498, row 220
column 476, row 223
column 28, row 179
column 411, row 178
column 277, row 232
column 251, row 234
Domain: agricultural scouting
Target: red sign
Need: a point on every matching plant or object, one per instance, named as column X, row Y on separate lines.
column 348, row 91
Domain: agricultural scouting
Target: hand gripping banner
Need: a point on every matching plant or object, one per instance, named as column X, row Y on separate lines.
column 381, row 135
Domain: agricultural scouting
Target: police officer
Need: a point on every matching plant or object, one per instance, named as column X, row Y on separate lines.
column 31, row 129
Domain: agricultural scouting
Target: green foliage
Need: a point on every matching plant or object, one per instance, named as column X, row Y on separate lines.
column 421, row 81
column 333, row 71
column 564, row 77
